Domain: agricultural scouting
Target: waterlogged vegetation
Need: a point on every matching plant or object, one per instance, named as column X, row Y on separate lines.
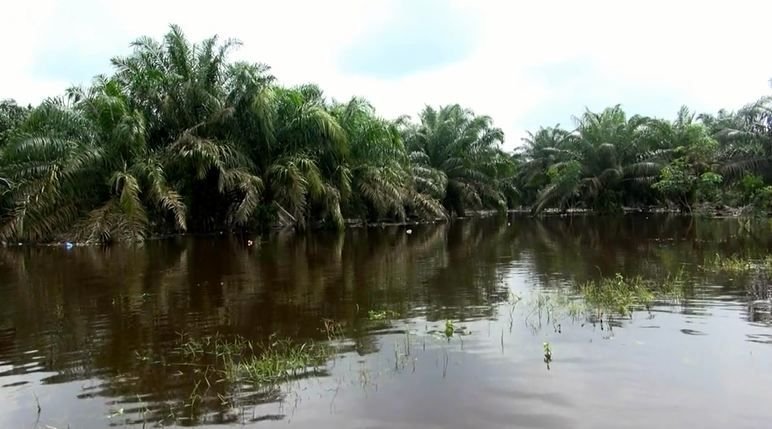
column 622, row 295
column 382, row 314
column 736, row 264
column 239, row 360
column 226, row 372
column 177, row 137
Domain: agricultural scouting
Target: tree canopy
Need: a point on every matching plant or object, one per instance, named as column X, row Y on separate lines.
column 179, row 138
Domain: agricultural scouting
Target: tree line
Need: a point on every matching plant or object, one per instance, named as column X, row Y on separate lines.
column 179, row 138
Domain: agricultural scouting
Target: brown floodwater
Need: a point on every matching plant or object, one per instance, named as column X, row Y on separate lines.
column 90, row 337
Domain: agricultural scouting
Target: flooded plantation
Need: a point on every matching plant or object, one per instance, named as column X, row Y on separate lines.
column 560, row 322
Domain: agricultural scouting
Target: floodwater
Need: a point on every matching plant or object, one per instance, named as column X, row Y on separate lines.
column 88, row 335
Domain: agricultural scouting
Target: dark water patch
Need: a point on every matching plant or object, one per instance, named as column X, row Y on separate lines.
column 95, row 332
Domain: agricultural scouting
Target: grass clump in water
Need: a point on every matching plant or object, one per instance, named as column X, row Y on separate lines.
column 620, row 294
column 737, row 265
column 240, row 360
column 276, row 361
column 382, row 315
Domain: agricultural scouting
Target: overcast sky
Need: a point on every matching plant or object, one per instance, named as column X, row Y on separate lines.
column 524, row 63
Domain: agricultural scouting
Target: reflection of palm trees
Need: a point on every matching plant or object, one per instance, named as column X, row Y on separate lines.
column 97, row 312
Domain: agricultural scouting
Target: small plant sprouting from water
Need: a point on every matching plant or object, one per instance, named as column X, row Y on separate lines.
column 547, row 354
column 449, row 329
column 334, row 330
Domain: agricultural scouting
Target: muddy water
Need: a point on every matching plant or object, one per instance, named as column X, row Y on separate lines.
column 87, row 335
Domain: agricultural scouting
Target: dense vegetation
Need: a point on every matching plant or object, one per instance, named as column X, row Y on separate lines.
column 178, row 138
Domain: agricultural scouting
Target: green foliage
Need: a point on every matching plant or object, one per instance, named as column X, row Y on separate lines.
column 11, row 116
column 749, row 185
column 382, row 314
column 762, row 199
column 457, row 158
column 261, row 364
column 450, row 329
column 596, row 166
column 179, row 138
column 736, row 264
column 622, row 295
column 709, row 184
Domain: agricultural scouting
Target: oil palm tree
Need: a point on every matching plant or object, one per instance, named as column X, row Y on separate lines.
column 449, row 148
column 81, row 168
column 181, row 88
column 745, row 139
column 542, row 149
column 45, row 171
column 380, row 169
column 609, row 153
column 306, row 173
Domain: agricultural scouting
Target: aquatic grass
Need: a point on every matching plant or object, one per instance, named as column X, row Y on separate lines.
column 736, row 264
column 278, row 360
column 382, row 314
column 237, row 359
column 620, row 294
column 333, row 330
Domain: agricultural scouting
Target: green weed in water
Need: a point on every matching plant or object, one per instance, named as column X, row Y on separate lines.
column 382, row 315
column 622, row 295
column 737, row 264
column 276, row 361
column 449, row 328
column 547, row 354
column 240, row 360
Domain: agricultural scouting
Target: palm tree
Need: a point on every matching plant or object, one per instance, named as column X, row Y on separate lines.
column 81, row 168
column 11, row 116
column 745, row 139
column 182, row 90
column 542, row 149
column 45, row 172
column 608, row 154
column 449, row 149
column 380, row 169
column 306, row 173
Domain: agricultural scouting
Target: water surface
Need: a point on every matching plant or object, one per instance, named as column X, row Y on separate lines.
column 89, row 334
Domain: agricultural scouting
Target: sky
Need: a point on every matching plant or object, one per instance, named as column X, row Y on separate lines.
column 526, row 64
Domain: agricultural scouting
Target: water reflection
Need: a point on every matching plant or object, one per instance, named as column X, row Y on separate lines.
column 87, row 328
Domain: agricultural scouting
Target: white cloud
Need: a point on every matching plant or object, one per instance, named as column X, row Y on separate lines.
column 706, row 54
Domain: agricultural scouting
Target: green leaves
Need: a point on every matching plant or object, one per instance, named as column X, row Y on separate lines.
column 180, row 138
column 456, row 158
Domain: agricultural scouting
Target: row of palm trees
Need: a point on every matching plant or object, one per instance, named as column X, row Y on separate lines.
column 179, row 138
column 610, row 161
